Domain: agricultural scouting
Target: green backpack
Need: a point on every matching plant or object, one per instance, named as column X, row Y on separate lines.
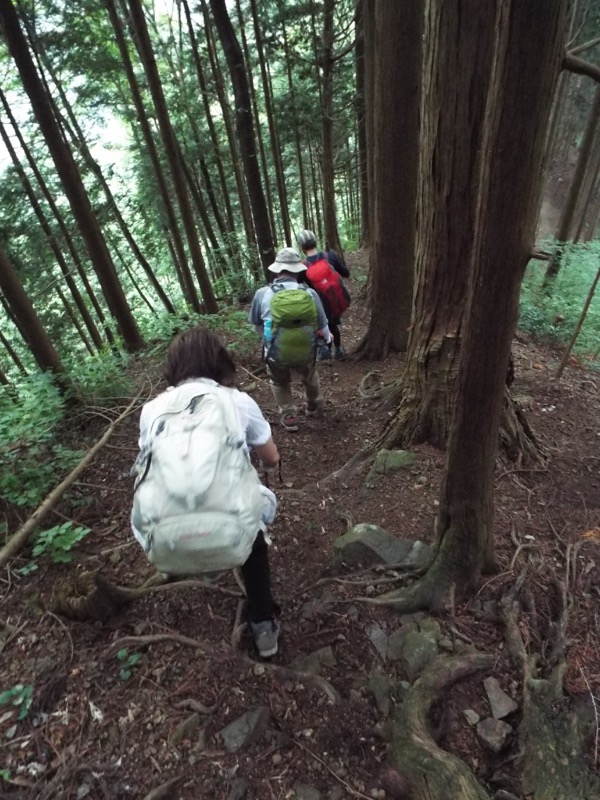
column 293, row 326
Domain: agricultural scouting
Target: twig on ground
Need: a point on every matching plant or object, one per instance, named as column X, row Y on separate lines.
column 345, row 784
column 239, row 625
column 198, row 707
column 596, row 716
column 165, row 790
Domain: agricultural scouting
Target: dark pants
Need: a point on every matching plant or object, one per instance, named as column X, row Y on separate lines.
column 257, row 580
column 334, row 327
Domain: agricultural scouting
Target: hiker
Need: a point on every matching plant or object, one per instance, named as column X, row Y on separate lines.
column 324, row 269
column 199, row 505
column 290, row 318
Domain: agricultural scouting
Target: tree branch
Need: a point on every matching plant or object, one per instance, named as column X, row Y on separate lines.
column 581, row 67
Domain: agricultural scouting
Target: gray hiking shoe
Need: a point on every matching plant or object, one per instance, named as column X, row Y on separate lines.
column 266, row 637
column 313, row 409
column 289, row 421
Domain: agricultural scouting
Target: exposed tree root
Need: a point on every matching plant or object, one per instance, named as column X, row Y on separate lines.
column 90, row 596
column 518, row 442
column 354, row 466
column 553, row 732
column 433, row 774
column 434, row 591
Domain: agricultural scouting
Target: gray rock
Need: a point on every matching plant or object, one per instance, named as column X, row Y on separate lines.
column 494, row 733
column 304, row 792
column 420, row 556
column 313, row 662
column 471, row 716
column 381, row 688
column 501, row 703
column 379, row 639
column 502, row 794
column 415, row 650
column 185, row 729
column 238, row 789
column 390, row 461
column 245, row 730
column 313, row 608
column 369, row 544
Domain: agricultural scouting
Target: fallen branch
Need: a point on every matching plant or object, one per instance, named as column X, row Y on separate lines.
column 19, row 538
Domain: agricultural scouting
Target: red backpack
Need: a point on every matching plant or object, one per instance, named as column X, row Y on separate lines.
column 329, row 286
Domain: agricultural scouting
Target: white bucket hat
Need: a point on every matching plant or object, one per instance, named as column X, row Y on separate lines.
column 289, row 260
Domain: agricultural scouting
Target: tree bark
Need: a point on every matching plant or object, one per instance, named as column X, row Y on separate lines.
column 245, row 131
column 171, row 151
column 70, row 179
column 395, row 143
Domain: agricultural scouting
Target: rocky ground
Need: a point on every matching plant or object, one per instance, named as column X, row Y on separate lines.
column 166, row 699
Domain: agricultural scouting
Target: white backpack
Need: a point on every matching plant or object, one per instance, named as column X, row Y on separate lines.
column 198, row 501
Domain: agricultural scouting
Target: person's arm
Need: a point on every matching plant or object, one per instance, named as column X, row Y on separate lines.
column 255, row 313
column 337, row 263
column 268, row 454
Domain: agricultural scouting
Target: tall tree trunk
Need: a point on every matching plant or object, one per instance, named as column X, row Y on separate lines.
column 13, row 354
column 45, row 225
column 326, row 63
column 275, row 146
column 245, row 131
column 76, row 323
column 229, row 130
column 296, row 134
column 361, row 125
column 565, row 224
column 70, row 179
column 171, row 151
column 37, row 339
column 178, row 253
column 395, row 141
column 214, row 139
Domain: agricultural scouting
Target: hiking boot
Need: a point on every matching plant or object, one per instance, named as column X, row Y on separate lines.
column 340, row 353
column 289, row 421
column 324, row 352
column 266, row 637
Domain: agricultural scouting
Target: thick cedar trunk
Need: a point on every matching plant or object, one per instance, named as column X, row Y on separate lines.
column 29, row 323
column 395, row 142
column 178, row 255
column 527, row 56
column 524, row 76
column 457, row 67
column 245, row 131
column 70, row 179
column 326, row 63
column 171, row 151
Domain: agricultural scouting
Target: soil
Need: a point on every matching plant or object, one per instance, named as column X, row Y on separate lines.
column 104, row 725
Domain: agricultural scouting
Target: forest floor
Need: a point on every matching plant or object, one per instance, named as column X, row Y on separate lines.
column 138, row 706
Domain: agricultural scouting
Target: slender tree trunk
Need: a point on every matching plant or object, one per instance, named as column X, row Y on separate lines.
column 171, row 151
column 214, row 139
column 71, row 180
column 45, row 225
column 13, row 354
column 225, row 111
column 245, row 131
column 565, row 224
column 36, row 337
column 326, row 63
column 178, row 255
column 73, row 317
column 275, row 146
column 361, row 125
column 297, row 129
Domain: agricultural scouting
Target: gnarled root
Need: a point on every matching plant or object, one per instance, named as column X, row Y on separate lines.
column 433, row 774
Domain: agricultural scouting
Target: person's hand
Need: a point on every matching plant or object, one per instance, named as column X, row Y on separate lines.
column 329, row 341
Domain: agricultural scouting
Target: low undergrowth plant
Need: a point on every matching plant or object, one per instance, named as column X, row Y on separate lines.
column 56, row 544
column 553, row 312
column 31, row 457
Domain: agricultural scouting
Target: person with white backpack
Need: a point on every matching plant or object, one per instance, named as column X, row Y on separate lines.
column 199, row 505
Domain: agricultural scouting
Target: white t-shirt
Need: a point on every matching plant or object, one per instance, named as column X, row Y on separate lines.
column 255, row 428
